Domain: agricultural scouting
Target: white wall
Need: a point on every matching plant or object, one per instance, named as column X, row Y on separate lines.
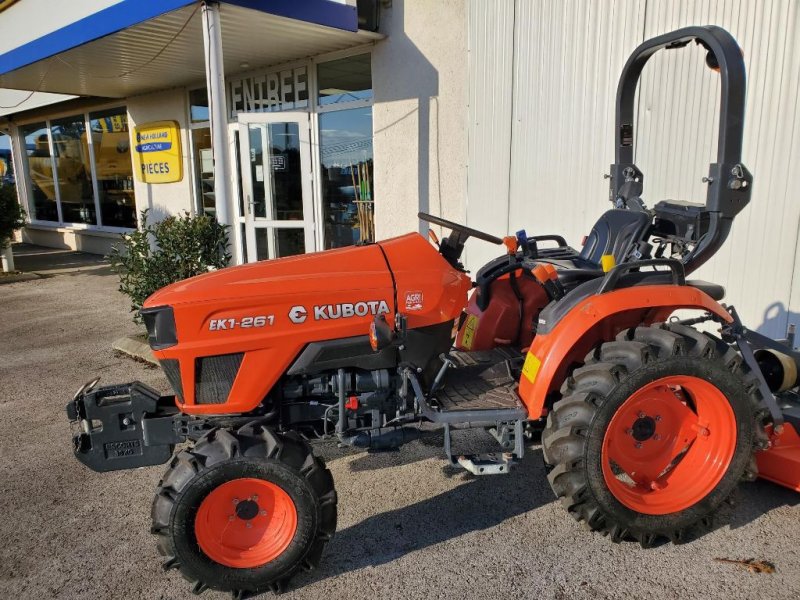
column 566, row 60
column 163, row 199
column 419, row 118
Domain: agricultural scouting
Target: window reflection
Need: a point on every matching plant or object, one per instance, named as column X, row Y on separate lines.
column 347, row 179
column 287, row 176
column 289, row 242
column 345, row 80
column 112, row 155
column 198, row 105
column 40, row 170
column 204, row 166
column 73, row 170
column 6, row 163
column 275, row 171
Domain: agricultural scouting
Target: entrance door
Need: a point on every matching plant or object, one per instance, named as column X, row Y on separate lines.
column 275, row 155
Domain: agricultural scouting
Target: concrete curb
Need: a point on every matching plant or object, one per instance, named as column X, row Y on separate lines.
column 135, row 348
column 16, row 277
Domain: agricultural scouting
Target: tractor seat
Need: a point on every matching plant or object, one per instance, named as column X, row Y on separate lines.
column 616, row 232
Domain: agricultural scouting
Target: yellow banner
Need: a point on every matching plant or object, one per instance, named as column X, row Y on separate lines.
column 158, row 152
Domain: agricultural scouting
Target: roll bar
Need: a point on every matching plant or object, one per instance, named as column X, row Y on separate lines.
column 729, row 181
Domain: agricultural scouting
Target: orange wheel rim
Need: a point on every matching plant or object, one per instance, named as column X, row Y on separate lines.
column 245, row 523
column 669, row 445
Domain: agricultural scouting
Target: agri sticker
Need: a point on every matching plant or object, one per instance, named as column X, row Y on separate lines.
column 413, row 300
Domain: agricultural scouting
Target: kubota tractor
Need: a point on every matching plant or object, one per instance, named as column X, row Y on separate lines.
column 648, row 423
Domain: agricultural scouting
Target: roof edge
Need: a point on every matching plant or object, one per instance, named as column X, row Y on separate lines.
column 128, row 13
column 100, row 24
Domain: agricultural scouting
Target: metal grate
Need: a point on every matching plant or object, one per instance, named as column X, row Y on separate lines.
column 172, row 370
column 214, row 376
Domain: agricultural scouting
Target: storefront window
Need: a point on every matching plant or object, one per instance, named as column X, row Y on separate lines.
column 40, row 170
column 198, row 105
column 347, row 176
column 345, row 80
column 275, row 171
column 73, row 170
column 6, row 162
column 204, row 168
column 287, row 178
column 112, row 156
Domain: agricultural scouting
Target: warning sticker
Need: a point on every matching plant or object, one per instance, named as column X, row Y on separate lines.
column 470, row 325
column 531, row 367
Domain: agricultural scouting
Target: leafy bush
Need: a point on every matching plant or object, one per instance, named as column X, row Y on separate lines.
column 160, row 253
column 12, row 217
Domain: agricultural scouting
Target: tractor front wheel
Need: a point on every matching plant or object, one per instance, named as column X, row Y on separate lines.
column 243, row 510
column 653, row 433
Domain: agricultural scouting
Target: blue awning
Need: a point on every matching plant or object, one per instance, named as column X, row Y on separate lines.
column 137, row 46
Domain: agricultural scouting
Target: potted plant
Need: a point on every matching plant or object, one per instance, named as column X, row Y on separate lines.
column 12, row 218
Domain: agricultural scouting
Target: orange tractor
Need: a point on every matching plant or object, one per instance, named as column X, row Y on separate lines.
column 647, row 422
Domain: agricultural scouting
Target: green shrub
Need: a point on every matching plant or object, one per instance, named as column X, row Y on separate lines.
column 160, row 253
column 12, row 217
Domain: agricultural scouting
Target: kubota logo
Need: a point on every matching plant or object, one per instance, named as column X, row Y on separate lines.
column 298, row 314
column 345, row 310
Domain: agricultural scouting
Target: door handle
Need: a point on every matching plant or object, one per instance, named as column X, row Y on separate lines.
column 250, row 204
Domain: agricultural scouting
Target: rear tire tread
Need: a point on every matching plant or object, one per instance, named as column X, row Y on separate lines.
column 564, row 439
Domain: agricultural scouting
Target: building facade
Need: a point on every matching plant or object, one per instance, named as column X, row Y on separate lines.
column 344, row 119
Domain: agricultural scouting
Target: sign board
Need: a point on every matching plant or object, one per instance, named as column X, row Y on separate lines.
column 158, row 152
column 269, row 92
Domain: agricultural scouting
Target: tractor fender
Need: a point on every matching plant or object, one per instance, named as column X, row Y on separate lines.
column 598, row 318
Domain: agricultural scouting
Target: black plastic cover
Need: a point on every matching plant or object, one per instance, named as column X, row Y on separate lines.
column 160, row 324
column 685, row 220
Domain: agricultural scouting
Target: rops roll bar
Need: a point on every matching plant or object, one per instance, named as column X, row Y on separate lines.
column 729, row 181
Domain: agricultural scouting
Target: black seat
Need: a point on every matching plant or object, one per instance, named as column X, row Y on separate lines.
column 616, row 232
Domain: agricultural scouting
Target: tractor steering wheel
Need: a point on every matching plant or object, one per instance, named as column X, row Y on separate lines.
column 464, row 231
column 452, row 246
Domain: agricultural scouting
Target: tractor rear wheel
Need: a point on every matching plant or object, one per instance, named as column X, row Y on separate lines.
column 243, row 510
column 653, row 433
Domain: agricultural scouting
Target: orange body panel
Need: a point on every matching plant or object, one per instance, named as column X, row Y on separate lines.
column 429, row 290
column 781, row 463
column 322, row 285
column 597, row 318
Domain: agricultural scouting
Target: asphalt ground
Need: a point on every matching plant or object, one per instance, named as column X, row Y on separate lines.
column 409, row 526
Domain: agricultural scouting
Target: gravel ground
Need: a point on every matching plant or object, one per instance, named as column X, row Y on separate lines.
column 408, row 525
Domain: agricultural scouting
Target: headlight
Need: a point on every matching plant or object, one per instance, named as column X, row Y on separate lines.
column 160, row 323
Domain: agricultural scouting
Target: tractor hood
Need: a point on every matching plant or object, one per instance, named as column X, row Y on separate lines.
column 353, row 268
column 262, row 315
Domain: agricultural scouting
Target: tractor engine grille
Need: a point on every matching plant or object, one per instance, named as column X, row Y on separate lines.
column 172, row 370
column 214, row 377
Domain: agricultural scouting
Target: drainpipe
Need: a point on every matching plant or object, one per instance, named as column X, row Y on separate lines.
column 217, row 109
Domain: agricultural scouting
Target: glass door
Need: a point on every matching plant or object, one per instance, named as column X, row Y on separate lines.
column 275, row 155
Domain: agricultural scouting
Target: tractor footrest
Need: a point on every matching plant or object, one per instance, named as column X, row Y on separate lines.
column 487, row 464
column 480, row 381
column 508, row 435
